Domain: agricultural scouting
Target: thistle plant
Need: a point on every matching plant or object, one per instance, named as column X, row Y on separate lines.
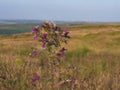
column 51, row 38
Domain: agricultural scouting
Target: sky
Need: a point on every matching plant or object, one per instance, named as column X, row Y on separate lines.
column 63, row 10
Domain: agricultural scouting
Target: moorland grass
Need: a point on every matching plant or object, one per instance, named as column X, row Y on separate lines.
column 94, row 56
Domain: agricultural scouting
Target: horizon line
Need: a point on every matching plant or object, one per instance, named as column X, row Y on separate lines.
column 58, row 20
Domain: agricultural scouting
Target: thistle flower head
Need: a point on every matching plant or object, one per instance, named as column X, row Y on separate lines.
column 62, row 50
column 35, row 29
column 43, row 45
column 35, row 53
column 35, row 36
column 35, row 77
column 44, row 35
column 58, row 54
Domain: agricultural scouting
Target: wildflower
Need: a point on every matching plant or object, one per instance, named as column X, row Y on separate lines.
column 35, row 29
column 35, row 36
column 35, row 78
column 58, row 54
column 44, row 35
column 43, row 45
column 63, row 50
column 35, row 53
column 51, row 36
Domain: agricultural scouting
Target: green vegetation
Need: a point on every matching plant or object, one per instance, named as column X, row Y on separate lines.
column 15, row 28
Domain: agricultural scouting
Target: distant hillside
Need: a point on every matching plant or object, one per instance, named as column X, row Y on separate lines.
column 2, row 22
column 20, row 21
column 21, row 26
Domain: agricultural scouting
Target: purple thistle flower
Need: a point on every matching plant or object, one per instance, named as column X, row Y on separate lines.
column 35, row 53
column 44, row 35
column 43, row 45
column 35, row 36
column 63, row 50
column 35, row 78
column 58, row 54
column 35, row 29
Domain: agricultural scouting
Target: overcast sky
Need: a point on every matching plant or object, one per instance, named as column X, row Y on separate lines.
column 67, row 10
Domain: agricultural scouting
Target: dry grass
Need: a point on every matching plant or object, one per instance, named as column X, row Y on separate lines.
column 95, row 52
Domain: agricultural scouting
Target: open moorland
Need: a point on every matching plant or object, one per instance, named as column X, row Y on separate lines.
column 93, row 53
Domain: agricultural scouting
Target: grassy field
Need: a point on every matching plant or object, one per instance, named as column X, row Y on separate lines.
column 93, row 51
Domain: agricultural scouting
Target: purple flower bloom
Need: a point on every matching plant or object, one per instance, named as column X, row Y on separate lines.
column 58, row 54
column 63, row 50
column 43, row 45
column 44, row 35
column 35, row 29
column 35, row 53
column 35, row 36
column 35, row 78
